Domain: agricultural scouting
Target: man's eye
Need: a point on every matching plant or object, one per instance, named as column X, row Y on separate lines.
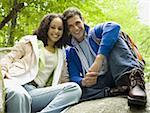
column 78, row 22
column 70, row 27
column 52, row 27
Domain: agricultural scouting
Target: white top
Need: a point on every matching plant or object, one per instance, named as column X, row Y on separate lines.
column 50, row 64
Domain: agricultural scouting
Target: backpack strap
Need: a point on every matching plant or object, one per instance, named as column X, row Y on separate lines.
column 132, row 46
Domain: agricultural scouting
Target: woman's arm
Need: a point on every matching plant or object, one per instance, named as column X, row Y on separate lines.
column 16, row 53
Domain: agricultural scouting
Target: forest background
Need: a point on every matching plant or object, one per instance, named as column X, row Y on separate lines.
column 22, row 17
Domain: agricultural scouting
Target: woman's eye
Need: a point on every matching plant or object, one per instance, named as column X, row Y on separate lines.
column 60, row 29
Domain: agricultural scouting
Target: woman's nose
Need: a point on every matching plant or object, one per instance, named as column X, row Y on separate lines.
column 56, row 30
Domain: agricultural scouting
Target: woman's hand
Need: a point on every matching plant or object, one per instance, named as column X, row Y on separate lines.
column 5, row 74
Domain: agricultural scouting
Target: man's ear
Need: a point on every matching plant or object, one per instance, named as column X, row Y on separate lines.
column 83, row 20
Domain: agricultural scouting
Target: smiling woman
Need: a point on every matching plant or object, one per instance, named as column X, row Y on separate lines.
column 55, row 32
column 35, row 71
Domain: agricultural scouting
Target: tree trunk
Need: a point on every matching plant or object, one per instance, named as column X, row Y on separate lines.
column 12, row 25
column 15, row 9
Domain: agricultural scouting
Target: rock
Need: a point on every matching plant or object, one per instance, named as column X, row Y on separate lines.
column 2, row 95
column 110, row 105
column 105, row 105
column 3, row 51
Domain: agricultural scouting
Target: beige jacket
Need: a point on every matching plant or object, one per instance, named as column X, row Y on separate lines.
column 26, row 58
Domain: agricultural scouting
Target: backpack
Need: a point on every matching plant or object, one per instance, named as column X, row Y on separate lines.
column 132, row 46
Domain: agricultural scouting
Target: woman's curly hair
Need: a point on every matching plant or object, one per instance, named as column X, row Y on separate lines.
column 43, row 28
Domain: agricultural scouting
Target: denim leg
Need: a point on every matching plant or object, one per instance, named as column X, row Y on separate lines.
column 121, row 60
column 17, row 98
column 54, row 99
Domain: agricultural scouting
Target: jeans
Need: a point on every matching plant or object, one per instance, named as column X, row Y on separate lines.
column 28, row 98
column 120, row 62
column 17, row 98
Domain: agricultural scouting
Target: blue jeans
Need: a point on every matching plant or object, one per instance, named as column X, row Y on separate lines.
column 120, row 62
column 28, row 98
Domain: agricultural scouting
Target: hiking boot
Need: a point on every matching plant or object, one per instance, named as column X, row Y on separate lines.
column 137, row 95
column 122, row 86
column 119, row 91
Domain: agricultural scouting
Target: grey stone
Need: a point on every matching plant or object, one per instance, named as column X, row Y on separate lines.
column 3, row 51
column 110, row 105
column 2, row 95
column 105, row 105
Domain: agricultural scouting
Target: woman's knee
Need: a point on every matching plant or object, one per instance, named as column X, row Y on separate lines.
column 18, row 101
column 17, row 95
column 74, row 89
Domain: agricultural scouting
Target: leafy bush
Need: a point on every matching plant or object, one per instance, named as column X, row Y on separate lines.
column 125, row 12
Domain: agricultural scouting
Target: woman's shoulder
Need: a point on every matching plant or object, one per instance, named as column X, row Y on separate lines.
column 28, row 38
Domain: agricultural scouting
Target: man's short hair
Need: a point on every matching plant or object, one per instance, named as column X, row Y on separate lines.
column 72, row 11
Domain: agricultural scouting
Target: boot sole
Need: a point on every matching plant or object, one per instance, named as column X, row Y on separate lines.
column 136, row 102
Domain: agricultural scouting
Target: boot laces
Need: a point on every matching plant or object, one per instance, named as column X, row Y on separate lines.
column 137, row 78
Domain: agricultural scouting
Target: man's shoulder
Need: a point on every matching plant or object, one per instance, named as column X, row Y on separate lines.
column 95, row 28
column 101, row 25
column 69, row 48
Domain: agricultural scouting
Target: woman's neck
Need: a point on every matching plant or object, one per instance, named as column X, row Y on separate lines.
column 50, row 48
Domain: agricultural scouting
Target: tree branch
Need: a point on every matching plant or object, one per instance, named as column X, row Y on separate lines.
column 12, row 13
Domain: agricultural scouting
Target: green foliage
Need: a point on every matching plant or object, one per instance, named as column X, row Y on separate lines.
column 123, row 12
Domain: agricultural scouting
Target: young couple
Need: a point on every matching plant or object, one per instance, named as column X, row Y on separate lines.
column 98, row 61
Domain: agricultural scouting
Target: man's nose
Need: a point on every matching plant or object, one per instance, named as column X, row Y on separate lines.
column 76, row 27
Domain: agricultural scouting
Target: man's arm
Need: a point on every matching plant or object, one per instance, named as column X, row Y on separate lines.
column 74, row 68
column 108, row 33
column 76, row 72
column 96, row 66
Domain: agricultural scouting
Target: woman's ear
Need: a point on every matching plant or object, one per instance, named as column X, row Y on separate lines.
column 69, row 33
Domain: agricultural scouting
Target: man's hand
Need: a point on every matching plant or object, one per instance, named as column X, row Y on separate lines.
column 92, row 75
column 89, row 79
column 96, row 66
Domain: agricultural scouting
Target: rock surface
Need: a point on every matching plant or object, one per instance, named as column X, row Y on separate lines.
column 105, row 105
column 110, row 105
column 2, row 95
column 3, row 51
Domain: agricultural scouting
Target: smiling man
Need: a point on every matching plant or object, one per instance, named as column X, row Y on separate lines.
column 100, row 61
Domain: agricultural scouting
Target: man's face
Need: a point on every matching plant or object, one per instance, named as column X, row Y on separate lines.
column 76, row 27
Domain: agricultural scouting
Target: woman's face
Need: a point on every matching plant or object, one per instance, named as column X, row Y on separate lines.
column 55, row 31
